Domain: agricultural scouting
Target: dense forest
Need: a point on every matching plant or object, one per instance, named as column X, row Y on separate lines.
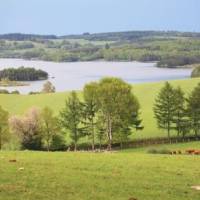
column 23, row 74
column 168, row 49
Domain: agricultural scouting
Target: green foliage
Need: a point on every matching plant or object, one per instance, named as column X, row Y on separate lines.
column 193, row 109
column 71, row 117
column 180, row 116
column 90, row 109
column 117, row 105
column 50, row 128
column 164, row 108
column 146, row 94
column 169, row 49
column 23, row 74
column 4, row 128
column 196, row 72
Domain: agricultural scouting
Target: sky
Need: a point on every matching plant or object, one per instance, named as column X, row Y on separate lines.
column 63, row 17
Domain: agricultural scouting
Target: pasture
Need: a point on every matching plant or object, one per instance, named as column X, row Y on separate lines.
column 125, row 175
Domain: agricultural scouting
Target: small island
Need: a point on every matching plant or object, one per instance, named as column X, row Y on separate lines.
column 23, row 74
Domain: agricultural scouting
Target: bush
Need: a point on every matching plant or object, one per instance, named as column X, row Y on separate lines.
column 15, row 92
column 196, row 72
column 2, row 91
column 32, row 93
column 159, row 151
column 58, row 143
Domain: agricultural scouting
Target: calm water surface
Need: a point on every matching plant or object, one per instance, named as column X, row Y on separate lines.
column 69, row 76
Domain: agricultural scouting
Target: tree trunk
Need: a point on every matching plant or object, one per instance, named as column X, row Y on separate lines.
column 109, row 133
column 100, row 144
column 168, row 130
column 93, row 138
column 0, row 142
column 48, row 145
column 75, row 146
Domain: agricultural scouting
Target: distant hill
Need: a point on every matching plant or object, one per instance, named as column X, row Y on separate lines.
column 22, row 37
column 110, row 36
column 130, row 35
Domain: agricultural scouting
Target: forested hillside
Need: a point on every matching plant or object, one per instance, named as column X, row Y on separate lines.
column 169, row 49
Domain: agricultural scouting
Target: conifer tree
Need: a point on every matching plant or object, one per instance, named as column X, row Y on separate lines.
column 164, row 108
column 193, row 109
column 71, row 118
column 179, row 116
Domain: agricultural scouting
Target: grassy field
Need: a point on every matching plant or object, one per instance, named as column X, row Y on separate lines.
column 113, row 176
column 146, row 93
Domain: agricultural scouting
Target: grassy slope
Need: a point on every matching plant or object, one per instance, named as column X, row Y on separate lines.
column 112, row 176
column 146, row 93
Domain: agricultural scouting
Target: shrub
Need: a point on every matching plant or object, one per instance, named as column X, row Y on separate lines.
column 2, row 91
column 196, row 72
column 15, row 92
column 58, row 143
column 159, row 151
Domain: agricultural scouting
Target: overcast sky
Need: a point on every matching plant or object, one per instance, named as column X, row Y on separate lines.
column 63, row 17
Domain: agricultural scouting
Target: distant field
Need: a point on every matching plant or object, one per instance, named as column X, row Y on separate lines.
column 146, row 93
column 112, row 176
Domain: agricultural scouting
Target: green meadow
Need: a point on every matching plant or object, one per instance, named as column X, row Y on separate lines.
column 146, row 93
column 125, row 175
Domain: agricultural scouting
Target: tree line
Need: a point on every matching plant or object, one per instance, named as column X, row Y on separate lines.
column 176, row 112
column 23, row 74
column 107, row 112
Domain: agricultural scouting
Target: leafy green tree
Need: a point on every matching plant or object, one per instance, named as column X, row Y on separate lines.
column 164, row 108
column 117, row 105
column 193, row 109
column 179, row 116
column 50, row 126
column 71, row 118
column 4, row 127
column 90, row 109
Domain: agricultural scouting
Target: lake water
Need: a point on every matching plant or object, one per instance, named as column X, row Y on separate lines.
column 73, row 76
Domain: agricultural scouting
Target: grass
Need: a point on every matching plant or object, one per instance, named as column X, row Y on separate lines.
column 113, row 176
column 146, row 93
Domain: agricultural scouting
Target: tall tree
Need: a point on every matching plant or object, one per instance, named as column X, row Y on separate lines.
column 164, row 108
column 117, row 105
column 71, row 118
column 4, row 128
column 179, row 116
column 90, row 109
column 193, row 109
column 50, row 126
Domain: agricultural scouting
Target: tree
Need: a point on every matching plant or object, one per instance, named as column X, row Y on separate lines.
column 117, row 105
column 90, row 109
column 48, row 87
column 179, row 116
column 193, row 109
column 107, row 46
column 49, row 126
column 4, row 128
column 71, row 118
column 164, row 108
column 28, row 128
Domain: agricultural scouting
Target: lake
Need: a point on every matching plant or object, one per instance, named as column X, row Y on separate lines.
column 73, row 76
